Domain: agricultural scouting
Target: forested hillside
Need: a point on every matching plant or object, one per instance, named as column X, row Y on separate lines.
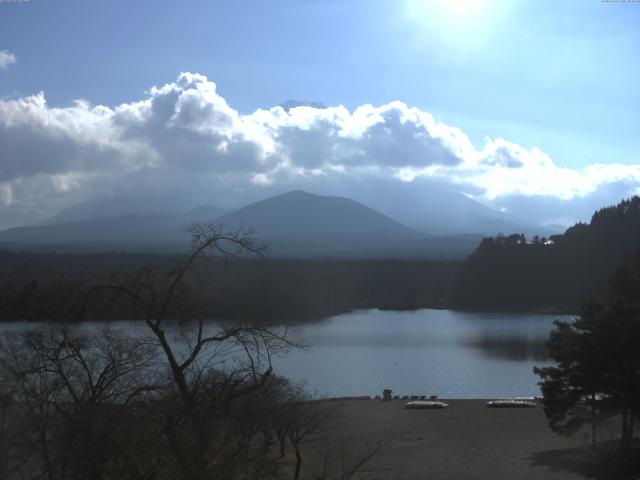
column 54, row 286
column 558, row 273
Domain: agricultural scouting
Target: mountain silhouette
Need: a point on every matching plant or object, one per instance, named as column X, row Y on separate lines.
column 300, row 214
column 293, row 224
column 120, row 231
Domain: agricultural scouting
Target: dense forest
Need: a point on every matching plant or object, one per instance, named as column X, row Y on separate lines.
column 554, row 274
column 57, row 286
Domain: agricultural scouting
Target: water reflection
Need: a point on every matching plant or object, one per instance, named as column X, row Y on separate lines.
column 449, row 353
column 517, row 348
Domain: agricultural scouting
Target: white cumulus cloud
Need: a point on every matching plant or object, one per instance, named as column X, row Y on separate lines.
column 185, row 136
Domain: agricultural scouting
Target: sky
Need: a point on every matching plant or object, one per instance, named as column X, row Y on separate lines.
column 528, row 107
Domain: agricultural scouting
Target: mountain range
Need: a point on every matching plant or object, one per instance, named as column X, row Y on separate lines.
column 294, row 224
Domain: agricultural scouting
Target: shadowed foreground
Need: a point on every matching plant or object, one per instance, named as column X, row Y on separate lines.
column 466, row 440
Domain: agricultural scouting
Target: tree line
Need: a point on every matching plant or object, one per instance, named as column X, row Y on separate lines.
column 35, row 286
column 558, row 273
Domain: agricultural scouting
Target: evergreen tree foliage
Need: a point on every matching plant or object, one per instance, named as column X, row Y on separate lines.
column 559, row 273
column 598, row 361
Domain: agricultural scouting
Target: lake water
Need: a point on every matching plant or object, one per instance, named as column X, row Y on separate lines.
column 447, row 353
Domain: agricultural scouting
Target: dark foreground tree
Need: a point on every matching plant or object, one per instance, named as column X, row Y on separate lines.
column 598, row 366
column 217, row 374
column 76, row 400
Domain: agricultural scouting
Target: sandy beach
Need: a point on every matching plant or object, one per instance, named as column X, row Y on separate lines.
column 467, row 440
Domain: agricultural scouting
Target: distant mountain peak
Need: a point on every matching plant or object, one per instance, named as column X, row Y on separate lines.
column 298, row 194
column 300, row 213
column 289, row 104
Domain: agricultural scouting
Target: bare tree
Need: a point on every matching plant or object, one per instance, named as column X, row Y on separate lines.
column 71, row 392
column 212, row 368
column 307, row 419
column 310, row 427
column 9, row 433
column 183, row 399
column 342, row 460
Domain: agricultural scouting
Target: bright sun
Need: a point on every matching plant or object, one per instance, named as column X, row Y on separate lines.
column 462, row 7
column 451, row 14
column 455, row 10
column 459, row 23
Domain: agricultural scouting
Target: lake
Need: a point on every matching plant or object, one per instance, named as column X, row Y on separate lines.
column 447, row 353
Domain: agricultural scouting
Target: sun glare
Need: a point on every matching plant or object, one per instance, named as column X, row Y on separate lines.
column 462, row 7
column 455, row 9
column 463, row 25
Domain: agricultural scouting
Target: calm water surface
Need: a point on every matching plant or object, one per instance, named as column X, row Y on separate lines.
column 448, row 353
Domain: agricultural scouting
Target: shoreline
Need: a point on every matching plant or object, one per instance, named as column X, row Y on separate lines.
column 318, row 317
column 409, row 398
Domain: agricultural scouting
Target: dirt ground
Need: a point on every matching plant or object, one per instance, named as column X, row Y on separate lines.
column 465, row 441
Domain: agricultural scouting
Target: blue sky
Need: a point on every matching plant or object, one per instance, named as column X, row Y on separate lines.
column 560, row 76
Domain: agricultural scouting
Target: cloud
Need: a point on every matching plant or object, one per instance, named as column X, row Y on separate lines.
column 183, row 136
column 6, row 59
column 36, row 139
